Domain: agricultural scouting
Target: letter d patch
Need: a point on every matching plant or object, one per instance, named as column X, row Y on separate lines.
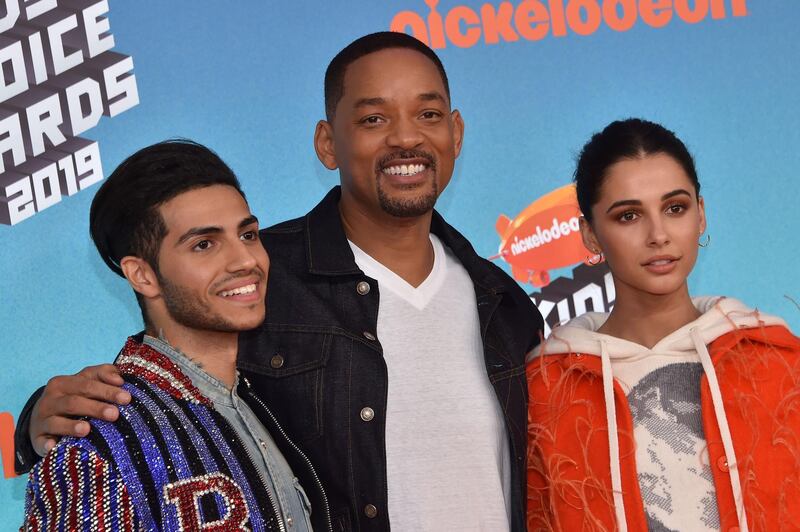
column 186, row 494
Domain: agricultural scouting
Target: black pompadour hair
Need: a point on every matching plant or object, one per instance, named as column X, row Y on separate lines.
column 124, row 219
column 368, row 44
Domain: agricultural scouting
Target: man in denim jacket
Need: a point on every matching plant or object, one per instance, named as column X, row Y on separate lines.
column 392, row 354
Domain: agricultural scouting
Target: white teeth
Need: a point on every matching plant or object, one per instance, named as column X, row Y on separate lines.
column 248, row 289
column 405, row 169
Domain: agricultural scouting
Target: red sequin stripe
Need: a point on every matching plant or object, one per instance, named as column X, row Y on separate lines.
column 47, row 482
column 31, row 523
column 134, row 350
column 125, row 513
column 101, row 481
column 74, row 499
column 160, row 381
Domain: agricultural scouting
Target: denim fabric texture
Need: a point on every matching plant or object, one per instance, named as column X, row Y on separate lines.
column 316, row 362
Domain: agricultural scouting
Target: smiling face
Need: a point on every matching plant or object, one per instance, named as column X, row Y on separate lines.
column 212, row 268
column 393, row 137
column 647, row 222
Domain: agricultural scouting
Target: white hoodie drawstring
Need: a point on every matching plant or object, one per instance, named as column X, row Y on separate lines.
column 724, row 429
column 613, row 438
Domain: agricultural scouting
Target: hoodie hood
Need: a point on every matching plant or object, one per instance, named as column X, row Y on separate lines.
column 719, row 316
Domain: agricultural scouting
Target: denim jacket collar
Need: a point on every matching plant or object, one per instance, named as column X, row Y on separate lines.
column 328, row 253
column 209, row 386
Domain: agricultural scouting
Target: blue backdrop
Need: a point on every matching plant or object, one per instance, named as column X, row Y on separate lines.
column 246, row 80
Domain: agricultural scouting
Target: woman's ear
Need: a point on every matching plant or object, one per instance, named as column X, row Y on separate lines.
column 589, row 237
column 701, row 206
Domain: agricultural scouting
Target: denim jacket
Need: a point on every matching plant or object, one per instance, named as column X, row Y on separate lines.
column 316, row 363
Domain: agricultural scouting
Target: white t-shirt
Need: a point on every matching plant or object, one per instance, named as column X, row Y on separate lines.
column 447, row 452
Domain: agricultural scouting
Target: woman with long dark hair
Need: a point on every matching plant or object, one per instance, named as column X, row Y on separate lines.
column 669, row 412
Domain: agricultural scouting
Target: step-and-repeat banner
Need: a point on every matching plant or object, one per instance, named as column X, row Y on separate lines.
column 84, row 83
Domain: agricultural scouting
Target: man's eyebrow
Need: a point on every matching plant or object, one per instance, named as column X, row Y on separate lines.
column 431, row 96
column 197, row 231
column 248, row 221
column 367, row 102
column 424, row 96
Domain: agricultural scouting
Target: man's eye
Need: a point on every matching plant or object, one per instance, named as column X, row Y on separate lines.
column 202, row 245
column 431, row 115
column 372, row 120
column 249, row 235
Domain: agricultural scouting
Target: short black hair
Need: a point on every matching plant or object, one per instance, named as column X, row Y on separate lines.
column 632, row 138
column 368, row 44
column 124, row 219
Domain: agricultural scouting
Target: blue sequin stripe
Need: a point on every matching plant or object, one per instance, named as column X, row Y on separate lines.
column 199, row 434
column 154, row 462
column 60, row 486
column 87, row 510
column 179, row 442
column 125, row 463
column 257, row 519
column 36, row 484
column 183, row 443
column 176, row 454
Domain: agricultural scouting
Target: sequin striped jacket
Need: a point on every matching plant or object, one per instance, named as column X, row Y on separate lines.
column 170, row 462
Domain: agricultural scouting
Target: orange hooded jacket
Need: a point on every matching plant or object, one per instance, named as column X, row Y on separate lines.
column 569, row 464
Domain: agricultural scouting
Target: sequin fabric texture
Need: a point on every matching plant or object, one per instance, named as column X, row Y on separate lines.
column 170, row 462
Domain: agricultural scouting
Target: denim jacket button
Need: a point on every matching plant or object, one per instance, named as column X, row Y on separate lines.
column 276, row 361
column 362, row 288
column 367, row 414
column 370, row 511
column 369, row 336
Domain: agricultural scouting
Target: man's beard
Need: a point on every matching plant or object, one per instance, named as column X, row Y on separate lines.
column 408, row 208
column 191, row 312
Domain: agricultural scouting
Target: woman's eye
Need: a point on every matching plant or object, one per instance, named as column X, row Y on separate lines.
column 627, row 216
column 676, row 209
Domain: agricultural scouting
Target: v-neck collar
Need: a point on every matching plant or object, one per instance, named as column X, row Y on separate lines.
column 419, row 296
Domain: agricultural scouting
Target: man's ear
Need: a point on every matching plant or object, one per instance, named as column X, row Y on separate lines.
column 458, row 130
column 589, row 237
column 140, row 276
column 324, row 145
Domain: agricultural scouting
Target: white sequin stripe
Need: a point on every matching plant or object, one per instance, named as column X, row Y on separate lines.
column 81, row 483
column 106, row 499
column 74, row 498
column 53, row 481
column 724, row 429
column 161, row 372
column 33, row 519
column 92, row 479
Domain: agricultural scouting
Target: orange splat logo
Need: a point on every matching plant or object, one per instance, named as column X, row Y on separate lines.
column 545, row 236
column 7, row 444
